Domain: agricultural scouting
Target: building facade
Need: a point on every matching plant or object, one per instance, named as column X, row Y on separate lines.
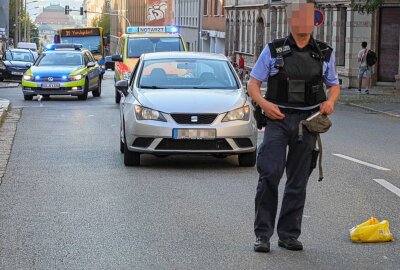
column 188, row 18
column 213, row 26
column 4, row 24
column 250, row 24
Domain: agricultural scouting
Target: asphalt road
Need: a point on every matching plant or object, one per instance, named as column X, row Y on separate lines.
column 68, row 202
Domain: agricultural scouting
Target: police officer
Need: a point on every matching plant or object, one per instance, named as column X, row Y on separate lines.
column 296, row 68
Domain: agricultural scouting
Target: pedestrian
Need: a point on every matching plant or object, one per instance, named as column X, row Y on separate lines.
column 241, row 67
column 296, row 68
column 364, row 71
column 233, row 60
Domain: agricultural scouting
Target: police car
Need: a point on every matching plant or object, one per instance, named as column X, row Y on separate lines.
column 143, row 39
column 63, row 69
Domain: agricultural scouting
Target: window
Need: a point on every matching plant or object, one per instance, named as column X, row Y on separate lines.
column 217, row 7
column 206, row 7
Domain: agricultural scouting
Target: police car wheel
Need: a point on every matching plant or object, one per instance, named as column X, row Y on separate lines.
column 117, row 96
column 97, row 92
column 248, row 159
column 85, row 92
column 28, row 97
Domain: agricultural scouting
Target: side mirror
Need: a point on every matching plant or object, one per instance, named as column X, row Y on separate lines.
column 91, row 64
column 28, row 65
column 122, row 86
column 117, row 57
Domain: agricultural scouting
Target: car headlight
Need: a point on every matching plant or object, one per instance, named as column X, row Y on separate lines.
column 143, row 113
column 28, row 78
column 127, row 75
column 238, row 114
column 75, row 77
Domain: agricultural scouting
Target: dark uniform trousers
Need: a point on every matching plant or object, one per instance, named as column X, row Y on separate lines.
column 272, row 159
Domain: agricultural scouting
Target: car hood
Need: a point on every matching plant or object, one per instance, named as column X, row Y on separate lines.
column 21, row 64
column 54, row 70
column 191, row 100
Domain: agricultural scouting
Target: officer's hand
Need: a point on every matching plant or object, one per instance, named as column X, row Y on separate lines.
column 272, row 111
column 327, row 107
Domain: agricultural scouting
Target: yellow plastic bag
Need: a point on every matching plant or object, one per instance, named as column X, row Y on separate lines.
column 371, row 231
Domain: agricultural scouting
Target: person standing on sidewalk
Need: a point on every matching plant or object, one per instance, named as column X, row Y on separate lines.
column 241, row 67
column 364, row 71
column 296, row 68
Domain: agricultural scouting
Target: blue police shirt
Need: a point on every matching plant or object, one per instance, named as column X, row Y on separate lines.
column 264, row 68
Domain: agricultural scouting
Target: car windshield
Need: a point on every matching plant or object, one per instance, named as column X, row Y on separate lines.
column 92, row 43
column 187, row 74
column 137, row 46
column 60, row 59
column 19, row 56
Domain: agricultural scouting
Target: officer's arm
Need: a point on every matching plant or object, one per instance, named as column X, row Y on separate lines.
column 332, row 82
column 271, row 110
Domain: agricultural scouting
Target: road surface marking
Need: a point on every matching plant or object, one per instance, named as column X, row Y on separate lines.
column 388, row 186
column 362, row 162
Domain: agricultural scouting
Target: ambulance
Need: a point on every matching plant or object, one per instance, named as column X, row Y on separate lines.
column 143, row 39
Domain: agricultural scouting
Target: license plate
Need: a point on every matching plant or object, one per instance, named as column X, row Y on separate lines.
column 17, row 73
column 193, row 134
column 50, row 85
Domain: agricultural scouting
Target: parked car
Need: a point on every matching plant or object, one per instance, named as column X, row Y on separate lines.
column 185, row 103
column 27, row 45
column 63, row 69
column 14, row 63
column 109, row 63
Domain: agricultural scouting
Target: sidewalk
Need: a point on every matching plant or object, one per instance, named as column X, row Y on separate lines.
column 4, row 107
column 383, row 100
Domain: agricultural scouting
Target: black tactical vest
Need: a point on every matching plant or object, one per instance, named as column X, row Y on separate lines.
column 299, row 82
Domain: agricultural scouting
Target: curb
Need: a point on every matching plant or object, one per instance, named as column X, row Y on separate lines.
column 4, row 108
column 370, row 109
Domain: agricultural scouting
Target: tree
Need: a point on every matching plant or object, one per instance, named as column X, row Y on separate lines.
column 103, row 21
column 366, row 6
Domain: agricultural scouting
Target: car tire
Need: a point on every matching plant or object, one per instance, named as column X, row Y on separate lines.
column 131, row 158
column 97, row 92
column 28, row 97
column 117, row 96
column 121, row 146
column 85, row 91
column 248, row 159
column 1, row 79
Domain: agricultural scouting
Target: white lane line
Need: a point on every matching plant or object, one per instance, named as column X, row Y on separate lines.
column 389, row 186
column 362, row 162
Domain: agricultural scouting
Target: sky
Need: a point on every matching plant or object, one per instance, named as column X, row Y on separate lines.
column 35, row 7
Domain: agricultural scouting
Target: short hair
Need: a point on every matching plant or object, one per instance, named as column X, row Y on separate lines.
column 364, row 44
column 289, row 5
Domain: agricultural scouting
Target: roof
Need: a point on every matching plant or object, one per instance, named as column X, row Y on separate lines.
column 184, row 55
column 54, row 8
column 54, row 14
column 19, row 50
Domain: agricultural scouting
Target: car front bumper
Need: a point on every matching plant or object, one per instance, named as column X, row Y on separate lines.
column 73, row 88
column 156, row 137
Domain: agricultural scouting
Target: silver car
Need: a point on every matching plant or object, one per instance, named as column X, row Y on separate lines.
column 185, row 103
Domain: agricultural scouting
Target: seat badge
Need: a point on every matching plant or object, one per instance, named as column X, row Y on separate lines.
column 194, row 119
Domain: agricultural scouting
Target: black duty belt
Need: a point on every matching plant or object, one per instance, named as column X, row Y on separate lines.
column 293, row 111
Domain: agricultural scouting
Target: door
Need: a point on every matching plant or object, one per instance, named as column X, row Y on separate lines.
column 388, row 54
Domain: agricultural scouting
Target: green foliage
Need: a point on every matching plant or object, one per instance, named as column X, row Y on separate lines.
column 103, row 21
column 366, row 6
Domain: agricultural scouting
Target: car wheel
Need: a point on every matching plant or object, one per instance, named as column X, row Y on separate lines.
column 85, row 91
column 1, row 79
column 97, row 92
column 117, row 96
column 248, row 159
column 131, row 158
column 28, row 97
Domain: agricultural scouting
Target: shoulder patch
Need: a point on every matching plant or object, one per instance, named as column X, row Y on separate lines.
column 325, row 49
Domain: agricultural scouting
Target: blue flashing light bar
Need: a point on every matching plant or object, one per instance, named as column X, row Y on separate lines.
column 151, row 29
column 52, row 47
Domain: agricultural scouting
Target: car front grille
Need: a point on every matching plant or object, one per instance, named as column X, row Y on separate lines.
column 205, row 118
column 46, row 79
column 172, row 144
column 243, row 142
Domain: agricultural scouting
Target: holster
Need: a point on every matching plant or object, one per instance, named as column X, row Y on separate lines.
column 260, row 117
column 314, row 159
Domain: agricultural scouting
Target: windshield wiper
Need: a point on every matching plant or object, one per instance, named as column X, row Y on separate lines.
column 151, row 87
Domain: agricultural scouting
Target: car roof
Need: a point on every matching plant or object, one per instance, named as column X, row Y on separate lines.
column 150, row 35
column 183, row 55
column 20, row 50
column 66, row 50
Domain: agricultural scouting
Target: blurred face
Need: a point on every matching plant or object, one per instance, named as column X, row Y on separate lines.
column 301, row 18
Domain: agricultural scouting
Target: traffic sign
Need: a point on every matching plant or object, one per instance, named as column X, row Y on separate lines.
column 318, row 17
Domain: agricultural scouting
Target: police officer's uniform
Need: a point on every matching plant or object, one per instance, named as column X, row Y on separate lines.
column 295, row 83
